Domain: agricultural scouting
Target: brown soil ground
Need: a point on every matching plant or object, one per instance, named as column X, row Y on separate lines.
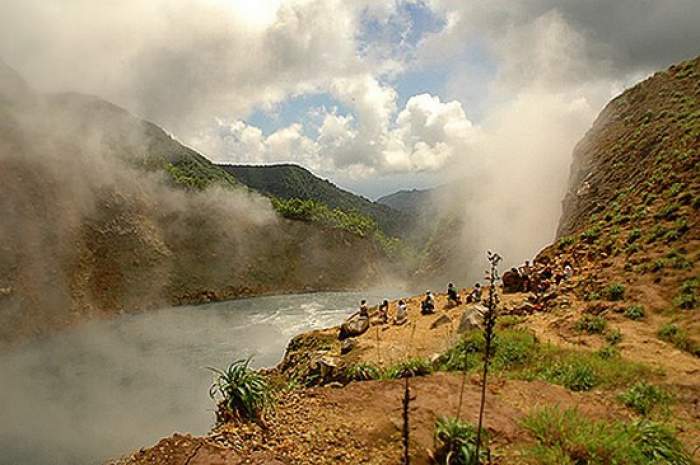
column 361, row 423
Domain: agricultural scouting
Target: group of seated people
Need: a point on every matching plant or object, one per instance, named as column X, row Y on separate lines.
column 427, row 305
column 537, row 278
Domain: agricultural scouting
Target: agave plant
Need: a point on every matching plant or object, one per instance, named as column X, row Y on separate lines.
column 456, row 443
column 240, row 392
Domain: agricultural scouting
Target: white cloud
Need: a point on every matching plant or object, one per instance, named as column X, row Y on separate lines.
column 200, row 67
column 424, row 136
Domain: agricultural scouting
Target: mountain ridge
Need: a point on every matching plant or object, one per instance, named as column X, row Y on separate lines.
column 289, row 181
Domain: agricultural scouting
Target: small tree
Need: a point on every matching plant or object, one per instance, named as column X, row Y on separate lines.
column 489, row 326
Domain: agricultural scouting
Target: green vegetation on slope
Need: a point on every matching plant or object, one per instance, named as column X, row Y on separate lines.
column 566, row 437
column 353, row 222
column 288, row 182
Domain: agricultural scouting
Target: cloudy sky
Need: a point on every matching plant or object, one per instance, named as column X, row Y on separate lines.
column 376, row 95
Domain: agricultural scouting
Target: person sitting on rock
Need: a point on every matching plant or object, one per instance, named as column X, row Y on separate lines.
column 384, row 312
column 452, row 296
column 355, row 324
column 427, row 306
column 364, row 310
column 401, row 313
column 475, row 294
column 525, row 274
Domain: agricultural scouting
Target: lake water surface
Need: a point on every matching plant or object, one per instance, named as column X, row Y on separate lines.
column 108, row 387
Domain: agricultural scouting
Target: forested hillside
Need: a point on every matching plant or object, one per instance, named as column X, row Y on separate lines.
column 104, row 212
column 294, row 182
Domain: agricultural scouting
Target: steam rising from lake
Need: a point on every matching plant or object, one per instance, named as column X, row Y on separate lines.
column 109, row 387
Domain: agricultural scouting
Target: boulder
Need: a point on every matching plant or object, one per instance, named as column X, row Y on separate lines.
column 353, row 327
column 472, row 318
column 440, row 321
column 327, row 369
column 347, row 345
column 512, row 282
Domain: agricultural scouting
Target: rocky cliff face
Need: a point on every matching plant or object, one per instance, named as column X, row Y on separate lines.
column 644, row 142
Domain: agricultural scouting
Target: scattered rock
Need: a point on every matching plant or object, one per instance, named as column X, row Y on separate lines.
column 353, row 327
column 597, row 308
column 326, row 368
column 524, row 309
column 472, row 318
column 442, row 320
column 347, row 345
column 512, row 282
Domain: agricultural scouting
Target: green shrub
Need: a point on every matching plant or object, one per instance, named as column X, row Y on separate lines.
column 240, row 392
column 513, row 349
column 416, row 366
column 591, row 234
column 362, row 372
column 657, row 265
column 656, row 233
column 591, row 324
column 687, row 297
column 643, row 397
column 631, row 249
column 566, row 437
column 678, row 260
column 674, row 190
column 678, row 337
column 574, row 373
column 668, row 212
column 581, row 371
column 619, row 218
column 613, row 336
column 696, row 202
column 614, row 291
column 518, row 354
column 455, row 443
column 669, row 331
column 634, row 312
column 640, row 213
column 565, row 242
column 465, row 354
column 592, row 296
column 634, row 234
column 608, row 352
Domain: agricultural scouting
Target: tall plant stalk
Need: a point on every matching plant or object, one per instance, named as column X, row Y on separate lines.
column 489, row 325
column 406, row 427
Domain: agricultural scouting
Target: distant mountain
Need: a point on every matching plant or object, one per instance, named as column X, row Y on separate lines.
column 289, row 181
column 408, row 201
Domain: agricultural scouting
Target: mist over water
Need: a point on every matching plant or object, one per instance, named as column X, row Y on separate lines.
column 109, row 387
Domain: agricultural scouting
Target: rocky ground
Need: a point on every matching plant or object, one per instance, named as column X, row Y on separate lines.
column 361, row 422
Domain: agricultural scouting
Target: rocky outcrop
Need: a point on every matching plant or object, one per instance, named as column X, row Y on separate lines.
column 353, row 327
column 645, row 140
column 472, row 318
